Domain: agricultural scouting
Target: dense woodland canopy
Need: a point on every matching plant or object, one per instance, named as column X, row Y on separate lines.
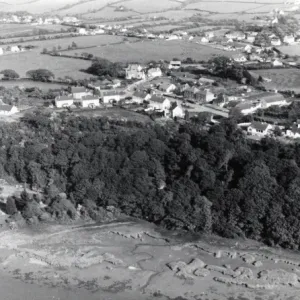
column 178, row 176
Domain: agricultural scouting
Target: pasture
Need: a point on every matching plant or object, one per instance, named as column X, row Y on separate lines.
column 145, row 51
column 107, row 13
column 146, row 6
column 290, row 50
column 61, row 67
column 282, row 79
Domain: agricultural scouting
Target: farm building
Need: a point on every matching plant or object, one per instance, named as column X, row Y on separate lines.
column 154, row 72
column 159, row 103
column 79, row 92
column 174, row 64
column 110, row 96
column 272, row 100
column 64, row 101
column 89, row 101
column 259, row 128
column 135, row 72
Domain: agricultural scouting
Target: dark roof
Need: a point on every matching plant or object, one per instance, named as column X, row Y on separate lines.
column 5, row 107
column 79, row 89
column 259, row 125
column 157, row 99
column 110, row 93
column 267, row 96
column 140, row 94
column 64, row 98
column 89, row 97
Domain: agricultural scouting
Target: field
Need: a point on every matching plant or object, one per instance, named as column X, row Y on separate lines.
column 107, row 13
column 291, row 50
column 146, row 6
column 282, row 79
column 144, row 51
column 25, row 61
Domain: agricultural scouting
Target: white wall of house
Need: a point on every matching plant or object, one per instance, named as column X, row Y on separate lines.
column 78, row 96
column 63, row 103
column 178, row 112
column 111, row 98
column 90, row 103
column 160, row 106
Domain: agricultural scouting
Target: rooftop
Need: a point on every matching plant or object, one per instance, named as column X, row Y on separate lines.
column 157, row 99
column 5, row 107
column 89, row 97
column 79, row 89
column 259, row 125
column 63, row 98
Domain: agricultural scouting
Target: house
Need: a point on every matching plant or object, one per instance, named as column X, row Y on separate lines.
column 275, row 41
column 14, row 49
column 255, row 57
column 167, row 87
column 135, row 71
column 79, row 92
column 239, row 58
column 172, row 37
column 247, row 108
column 159, row 103
column 277, row 63
column 1, row 51
column 154, row 72
column 89, row 101
column 250, row 38
column 110, row 96
column 210, row 34
column 64, row 101
column 259, row 128
column 7, row 110
column 184, row 87
column 248, row 49
column 204, row 40
column 289, row 39
column 198, row 95
column 272, row 99
column 235, row 35
column 82, row 31
column 206, row 81
column 293, row 133
column 140, row 97
column 190, row 93
column 175, row 64
column 177, row 112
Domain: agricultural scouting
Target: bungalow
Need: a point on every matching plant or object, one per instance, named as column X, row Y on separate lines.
column 289, row 39
column 135, row 72
column 275, row 41
column 140, row 97
column 177, row 112
column 89, row 101
column 239, row 58
column 7, row 110
column 110, row 96
column 154, row 72
column 175, row 64
column 64, row 101
column 259, row 128
column 159, row 103
column 167, row 87
column 79, row 92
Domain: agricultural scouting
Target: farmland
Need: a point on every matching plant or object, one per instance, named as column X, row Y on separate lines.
column 282, row 79
column 25, row 61
column 290, row 50
column 145, row 51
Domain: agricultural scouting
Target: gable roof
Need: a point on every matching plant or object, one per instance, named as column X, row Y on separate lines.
column 110, row 93
column 5, row 107
column 89, row 97
column 259, row 125
column 157, row 99
column 64, row 98
column 140, row 94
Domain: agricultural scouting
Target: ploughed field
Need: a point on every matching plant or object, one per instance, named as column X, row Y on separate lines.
column 134, row 260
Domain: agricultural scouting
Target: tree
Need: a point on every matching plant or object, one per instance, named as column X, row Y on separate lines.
column 10, row 74
column 40, row 75
column 45, row 51
column 74, row 45
column 11, row 207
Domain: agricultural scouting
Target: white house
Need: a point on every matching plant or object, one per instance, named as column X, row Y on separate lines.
column 110, row 96
column 275, row 41
column 79, row 92
column 277, row 63
column 248, row 49
column 14, row 49
column 82, row 31
column 239, row 58
column 293, row 133
column 259, row 128
column 7, row 110
column 204, row 40
column 289, row 39
column 273, row 100
column 210, row 34
column 159, row 103
column 135, row 72
column 248, row 107
column 167, row 87
column 175, row 64
column 89, row 101
column 64, row 101
column 1, row 51
column 154, row 72
column 177, row 112
column 235, row 35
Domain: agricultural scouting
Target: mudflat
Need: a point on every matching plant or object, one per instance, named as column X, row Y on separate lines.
column 136, row 260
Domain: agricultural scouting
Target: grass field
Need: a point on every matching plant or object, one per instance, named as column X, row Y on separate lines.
column 290, row 50
column 282, row 79
column 13, row 29
column 25, row 61
column 146, row 6
column 145, row 51
column 107, row 13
